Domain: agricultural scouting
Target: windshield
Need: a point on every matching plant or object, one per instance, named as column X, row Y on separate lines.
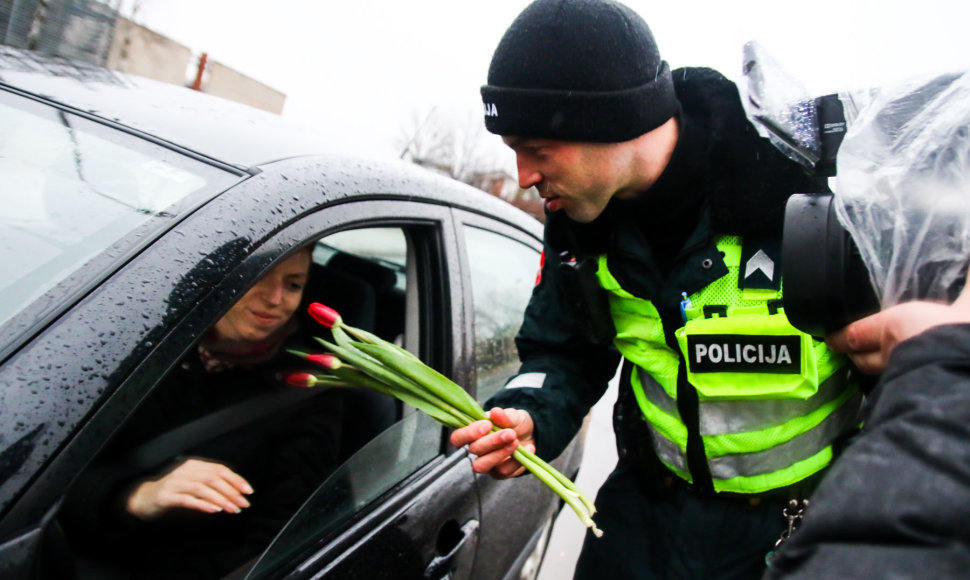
column 71, row 188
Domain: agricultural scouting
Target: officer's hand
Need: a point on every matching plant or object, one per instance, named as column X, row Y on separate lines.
column 195, row 484
column 494, row 450
column 870, row 341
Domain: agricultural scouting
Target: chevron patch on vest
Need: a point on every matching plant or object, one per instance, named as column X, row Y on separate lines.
column 744, row 353
column 760, row 264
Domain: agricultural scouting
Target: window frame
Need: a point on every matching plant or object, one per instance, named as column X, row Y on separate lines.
column 464, row 218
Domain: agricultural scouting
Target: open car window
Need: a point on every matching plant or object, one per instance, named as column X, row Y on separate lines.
column 215, row 407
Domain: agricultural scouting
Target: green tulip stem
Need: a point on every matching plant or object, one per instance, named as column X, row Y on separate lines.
column 384, row 367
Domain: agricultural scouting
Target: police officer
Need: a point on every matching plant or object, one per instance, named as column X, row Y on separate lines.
column 664, row 211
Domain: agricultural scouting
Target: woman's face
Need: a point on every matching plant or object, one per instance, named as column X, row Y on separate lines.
column 268, row 305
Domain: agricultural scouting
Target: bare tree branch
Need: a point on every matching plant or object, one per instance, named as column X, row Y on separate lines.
column 456, row 144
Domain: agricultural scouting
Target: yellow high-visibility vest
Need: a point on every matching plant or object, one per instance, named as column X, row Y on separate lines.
column 771, row 399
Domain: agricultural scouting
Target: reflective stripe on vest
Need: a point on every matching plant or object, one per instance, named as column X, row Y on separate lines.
column 771, row 399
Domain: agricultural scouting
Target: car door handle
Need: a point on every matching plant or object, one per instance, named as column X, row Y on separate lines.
column 448, row 540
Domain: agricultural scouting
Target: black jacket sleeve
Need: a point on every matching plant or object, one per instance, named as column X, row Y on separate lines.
column 304, row 453
column 556, row 353
column 897, row 503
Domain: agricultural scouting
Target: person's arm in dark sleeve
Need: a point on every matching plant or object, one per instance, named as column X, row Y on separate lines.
column 95, row 504
column 563, row 372
column 896, row 504
column 305, row 455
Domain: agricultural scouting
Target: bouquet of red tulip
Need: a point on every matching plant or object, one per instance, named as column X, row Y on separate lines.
column 361, row 359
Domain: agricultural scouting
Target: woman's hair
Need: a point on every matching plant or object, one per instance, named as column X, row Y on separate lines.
column 307, row 248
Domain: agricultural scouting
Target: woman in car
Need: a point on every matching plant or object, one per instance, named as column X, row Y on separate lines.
column 219, row 456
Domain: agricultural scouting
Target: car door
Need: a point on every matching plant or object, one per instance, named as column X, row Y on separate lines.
column 500, row 264
column 399, row 508
column 405, row 505
column 407, row 496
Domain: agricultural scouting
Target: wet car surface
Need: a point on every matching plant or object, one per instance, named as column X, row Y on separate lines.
column 135, row 214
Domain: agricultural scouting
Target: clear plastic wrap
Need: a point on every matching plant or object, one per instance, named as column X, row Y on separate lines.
column 783, row 110
column 903, row 185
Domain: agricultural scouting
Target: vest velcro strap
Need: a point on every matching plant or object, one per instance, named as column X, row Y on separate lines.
column 712, row 310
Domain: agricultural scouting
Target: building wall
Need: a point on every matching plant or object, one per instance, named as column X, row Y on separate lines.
column 140, row 51
column 231, row 84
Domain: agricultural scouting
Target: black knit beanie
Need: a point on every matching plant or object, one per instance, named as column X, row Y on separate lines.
column 578, row 70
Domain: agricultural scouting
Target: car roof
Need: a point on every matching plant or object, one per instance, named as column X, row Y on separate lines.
column 231, row 133
column 218, row 128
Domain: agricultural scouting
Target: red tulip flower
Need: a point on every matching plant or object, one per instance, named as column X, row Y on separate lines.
column 327, row 361
column 324, row 314
column 301, row 380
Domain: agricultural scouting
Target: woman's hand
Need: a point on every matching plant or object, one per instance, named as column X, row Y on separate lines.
column 196, row 485
column 494, row 450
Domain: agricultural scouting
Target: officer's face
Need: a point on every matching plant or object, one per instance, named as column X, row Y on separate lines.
column 581, row 178
column 576, row 178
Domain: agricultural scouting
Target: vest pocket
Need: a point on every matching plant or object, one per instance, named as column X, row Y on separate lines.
column 747, row 354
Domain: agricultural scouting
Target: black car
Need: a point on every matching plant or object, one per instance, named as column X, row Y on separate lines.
column 135, row 214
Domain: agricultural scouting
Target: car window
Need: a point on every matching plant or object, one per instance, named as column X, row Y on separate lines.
column 224, row 407
column 386, row 246
column 71, row 190
column 381, row 257
column 371, row 264
column 503, row 272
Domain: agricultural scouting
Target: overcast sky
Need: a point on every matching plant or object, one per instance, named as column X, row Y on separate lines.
column 359, row 69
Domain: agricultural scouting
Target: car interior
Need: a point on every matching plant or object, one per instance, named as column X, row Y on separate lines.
column 370, row 293
column 367, row 296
